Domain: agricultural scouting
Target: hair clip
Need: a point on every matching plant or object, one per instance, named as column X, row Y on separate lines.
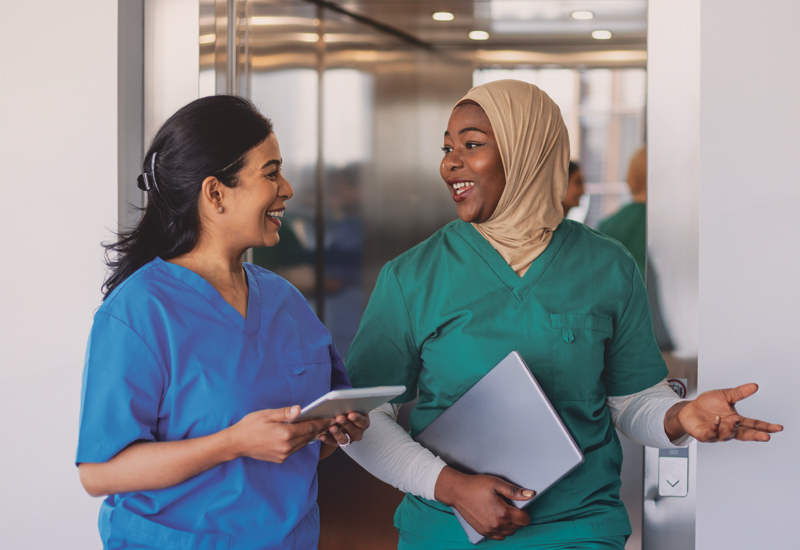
column 147, row 181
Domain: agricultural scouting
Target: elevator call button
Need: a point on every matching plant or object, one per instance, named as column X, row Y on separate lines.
column 673, row 472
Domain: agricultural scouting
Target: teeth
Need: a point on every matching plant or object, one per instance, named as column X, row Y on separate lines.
column 275, row 214
column 462, row 186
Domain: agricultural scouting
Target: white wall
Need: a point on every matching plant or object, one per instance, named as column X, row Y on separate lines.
column 673, row 170
column 58, row 152
column 750, row 264
column 171, row 60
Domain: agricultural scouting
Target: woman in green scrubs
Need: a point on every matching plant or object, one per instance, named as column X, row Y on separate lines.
column 511, row 273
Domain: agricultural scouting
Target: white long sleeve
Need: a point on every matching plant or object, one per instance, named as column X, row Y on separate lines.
column 388, row 452
column 640, row 416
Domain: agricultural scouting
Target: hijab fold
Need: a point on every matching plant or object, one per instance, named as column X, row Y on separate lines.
column 534, row 148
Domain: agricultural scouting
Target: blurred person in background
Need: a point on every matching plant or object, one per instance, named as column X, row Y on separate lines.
column 575, row 190
column 629, row 224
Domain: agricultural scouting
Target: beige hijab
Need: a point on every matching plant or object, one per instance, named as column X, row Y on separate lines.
column 534, row 148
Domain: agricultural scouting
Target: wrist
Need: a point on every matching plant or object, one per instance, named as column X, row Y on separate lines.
column 672, row 421
column 447, row 485
column 230, row 445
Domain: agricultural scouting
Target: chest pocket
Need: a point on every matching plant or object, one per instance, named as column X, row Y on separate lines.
column 308, row 372
column 578, row 354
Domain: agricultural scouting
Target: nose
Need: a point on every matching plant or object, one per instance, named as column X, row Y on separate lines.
column 285, row 190
column 452, row 162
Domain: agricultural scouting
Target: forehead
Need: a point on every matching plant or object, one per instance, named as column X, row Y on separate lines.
column 468, row 115
column 265, row 151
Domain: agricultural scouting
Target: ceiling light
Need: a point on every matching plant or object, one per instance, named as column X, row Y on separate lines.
column 479, row 35
column 274, row 20
column 208, row 38
column 601, row 35
column 582, row 15
column 443, row 16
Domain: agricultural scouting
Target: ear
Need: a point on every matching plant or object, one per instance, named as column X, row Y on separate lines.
column 212, row 193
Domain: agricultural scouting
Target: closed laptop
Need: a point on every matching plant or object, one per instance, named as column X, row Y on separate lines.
column 504, row 426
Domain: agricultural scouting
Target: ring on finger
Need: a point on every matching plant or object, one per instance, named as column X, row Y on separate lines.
column 343, row 445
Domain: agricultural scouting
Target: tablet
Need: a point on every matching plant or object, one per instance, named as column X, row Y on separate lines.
column 360, row 400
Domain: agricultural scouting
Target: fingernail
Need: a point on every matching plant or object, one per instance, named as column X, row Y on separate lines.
column 334, row 431
column 527, row 493
column 716, row 421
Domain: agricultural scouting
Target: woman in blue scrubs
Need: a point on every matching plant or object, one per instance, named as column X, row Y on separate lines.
column 195, row 360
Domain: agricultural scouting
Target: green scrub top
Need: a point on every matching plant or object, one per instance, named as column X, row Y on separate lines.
column 629, row 226
column 448, row 310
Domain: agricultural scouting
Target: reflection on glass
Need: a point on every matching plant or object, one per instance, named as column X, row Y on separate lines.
column 289, row 98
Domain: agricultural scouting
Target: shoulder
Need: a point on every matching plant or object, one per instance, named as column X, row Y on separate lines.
column 424, row 256
column 596, row 246
column 147, row 281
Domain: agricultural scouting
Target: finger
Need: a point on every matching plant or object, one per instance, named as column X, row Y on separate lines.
column 519, row 518
column 734, row 395
column 360, row 420
column 728, row 427
column 512, row 491
column 761, row 426
column 349, row 427
column 339, row 434
column 281, row 415
column 308, row 429
column 745, row 434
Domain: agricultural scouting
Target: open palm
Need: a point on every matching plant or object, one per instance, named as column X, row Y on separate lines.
column 712, row 416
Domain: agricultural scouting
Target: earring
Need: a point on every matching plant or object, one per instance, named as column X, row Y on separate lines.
column 220, row 210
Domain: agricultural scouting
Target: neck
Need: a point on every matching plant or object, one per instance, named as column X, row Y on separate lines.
column 640, row 197
column 214, row 260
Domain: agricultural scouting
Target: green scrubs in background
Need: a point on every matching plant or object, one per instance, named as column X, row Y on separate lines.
column 448, row 310
column 629, row 226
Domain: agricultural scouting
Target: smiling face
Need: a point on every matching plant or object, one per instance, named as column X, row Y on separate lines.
column 257, row 203
column 472, row 167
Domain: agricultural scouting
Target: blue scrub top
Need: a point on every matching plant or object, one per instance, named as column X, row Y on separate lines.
column 169, row 359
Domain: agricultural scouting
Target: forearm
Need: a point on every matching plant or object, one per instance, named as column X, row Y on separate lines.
column 388, row 452
column 147, row 466
column 642, row 417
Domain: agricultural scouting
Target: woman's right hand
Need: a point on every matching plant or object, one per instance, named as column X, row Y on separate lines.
column 265, row 435
column 481, row 500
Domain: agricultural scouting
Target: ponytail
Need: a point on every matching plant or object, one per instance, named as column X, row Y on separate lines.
column 210, row 136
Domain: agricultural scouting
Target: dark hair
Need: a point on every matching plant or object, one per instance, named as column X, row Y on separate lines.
column 573, row 167
column 210, row 136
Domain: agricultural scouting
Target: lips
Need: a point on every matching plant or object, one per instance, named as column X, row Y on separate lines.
column 461, row 188
column 275, row 215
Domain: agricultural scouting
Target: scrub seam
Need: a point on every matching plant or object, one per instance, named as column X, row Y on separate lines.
column 393, row 268
column 155, row 357
column 150, row 265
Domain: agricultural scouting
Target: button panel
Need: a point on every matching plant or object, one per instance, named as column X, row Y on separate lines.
column 673, row 472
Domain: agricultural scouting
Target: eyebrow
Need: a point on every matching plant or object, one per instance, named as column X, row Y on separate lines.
column 277, row 162
column 465, row 130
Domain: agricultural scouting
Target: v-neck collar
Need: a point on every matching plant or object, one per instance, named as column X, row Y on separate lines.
column 250, row 325
column 519, row 286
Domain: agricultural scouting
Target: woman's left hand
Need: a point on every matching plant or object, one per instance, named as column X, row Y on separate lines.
column 713, row 417
column 346, row 429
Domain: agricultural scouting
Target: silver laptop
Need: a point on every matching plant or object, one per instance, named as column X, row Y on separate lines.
column 504, row 426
